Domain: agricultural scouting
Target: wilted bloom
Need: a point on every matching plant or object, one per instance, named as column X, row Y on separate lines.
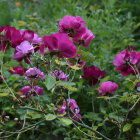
column 85, row 38
column 18, row 70
column 24, row 51
column 93, row 74
column 9, row 36
column 125, row 62
column 29, row 91
column 73, row 26
column 59, row 44
column 107, row 88
column 35, row 73
column 60, row 75
column 73, row 108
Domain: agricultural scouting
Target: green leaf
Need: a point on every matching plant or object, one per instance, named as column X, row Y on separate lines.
column 136, row 120
column 3, row 94
column 33, row 115
column 65, row 83
column 50, row 81
column 66, row 121
column 127, row 127
column 50, row 117
column 68, row 85
column 86, row 56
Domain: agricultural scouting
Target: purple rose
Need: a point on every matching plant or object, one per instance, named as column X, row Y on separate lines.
column 60, row 75
column 125, row 62
column 73, row 26
column 72, row 105
column 35, row 73
column 29, row 91
column 24, row 51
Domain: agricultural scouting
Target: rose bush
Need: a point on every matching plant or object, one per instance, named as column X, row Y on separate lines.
column 69, row 83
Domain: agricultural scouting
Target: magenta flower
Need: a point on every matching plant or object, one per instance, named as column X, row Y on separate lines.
column 29, row 91
column 31, row 36
column 9, row 36
column 85, row 38
column 59, row 44
column 72, row 105
column 73, row 26
column 18, row 70
column 35, row 73
column 24, row 51
column 93, row 74
column 107, row 87
column 125, row 62
column 60, row 75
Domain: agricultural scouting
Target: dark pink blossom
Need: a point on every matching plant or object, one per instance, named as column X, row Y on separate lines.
column 29, row 91
column 18, row 70
column 107, row 87
column 73, row 26
column 9, row 36
column 73, row 107
column 93, row 74
column 24, row 51
column 59, row 44
column 35, row 73
column 84, row 39
column 60, row 75
column 125, row 62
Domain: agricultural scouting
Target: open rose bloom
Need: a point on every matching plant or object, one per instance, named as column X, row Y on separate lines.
column 92, row 74
column 127, row 62
column 35, row 73
column 107, row 88
column 60, row 45
column 29, row 91
column 24, row 52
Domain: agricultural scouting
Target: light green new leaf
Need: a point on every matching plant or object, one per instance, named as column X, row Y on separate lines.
column 66, row 121
column 127, row 127
column 50, row 81
column 50, row 117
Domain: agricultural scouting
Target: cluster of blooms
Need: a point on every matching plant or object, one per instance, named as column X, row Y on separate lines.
column 72, row 32
column 128, row 62
column 71, row 106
